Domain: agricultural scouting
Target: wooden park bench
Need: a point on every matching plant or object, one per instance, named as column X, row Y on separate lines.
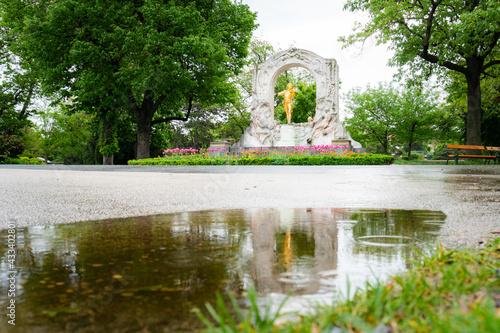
column 494, row 151
column 489, row 153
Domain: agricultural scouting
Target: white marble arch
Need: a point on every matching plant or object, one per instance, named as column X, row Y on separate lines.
column 265, row 131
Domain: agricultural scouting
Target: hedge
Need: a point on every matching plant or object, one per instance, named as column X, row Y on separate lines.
column 356, row 159
column 21, row 160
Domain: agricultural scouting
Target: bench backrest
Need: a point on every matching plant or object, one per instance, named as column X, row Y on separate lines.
column 465, row 147
column 493, row 148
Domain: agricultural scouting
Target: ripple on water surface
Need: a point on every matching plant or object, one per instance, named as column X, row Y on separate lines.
column 148, row 273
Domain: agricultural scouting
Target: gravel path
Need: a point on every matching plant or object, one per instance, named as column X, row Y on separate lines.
column 44, row 195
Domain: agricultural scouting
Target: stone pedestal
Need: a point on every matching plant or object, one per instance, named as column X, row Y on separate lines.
column 288, row 136
column 219, row 148
column 220, row 144
column 341, row 142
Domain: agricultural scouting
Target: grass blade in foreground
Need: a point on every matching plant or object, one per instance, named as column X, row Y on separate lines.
column 256, row 320
column 447, row 291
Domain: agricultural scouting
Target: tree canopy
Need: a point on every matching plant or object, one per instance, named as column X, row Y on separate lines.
column 151, row 57
column 431, row 35
column 388, row 115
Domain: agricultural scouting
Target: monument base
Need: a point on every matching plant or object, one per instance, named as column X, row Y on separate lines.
column 341, row 142
column 288, row 137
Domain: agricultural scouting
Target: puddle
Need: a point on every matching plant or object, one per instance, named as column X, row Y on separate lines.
column 147, row 273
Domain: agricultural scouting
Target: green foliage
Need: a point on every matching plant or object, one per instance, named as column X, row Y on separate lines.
column 304, row 102
column 256, row 319
column 369, row 114
column 355, row 159
column 456, row 88
column 436, row 36
column 151, row 58
column 440, row 152
column 11, row 145
column 109, row 146
column 414, row 156
column 17, row 90
column 385, row 115
column 64, row 136
column 22, row 160
column 198, row 131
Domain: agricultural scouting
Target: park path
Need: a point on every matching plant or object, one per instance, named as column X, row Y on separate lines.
column 45, row 195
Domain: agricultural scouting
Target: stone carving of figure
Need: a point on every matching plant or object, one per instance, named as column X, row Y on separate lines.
column 325, row 125
column 289, row 93
column 264, row 130
column 305, row 130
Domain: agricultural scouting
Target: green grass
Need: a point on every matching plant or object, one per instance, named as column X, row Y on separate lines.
column 438, row 162
column 446, row 291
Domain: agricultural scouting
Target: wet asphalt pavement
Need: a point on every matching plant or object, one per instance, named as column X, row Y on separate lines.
column 45, row 195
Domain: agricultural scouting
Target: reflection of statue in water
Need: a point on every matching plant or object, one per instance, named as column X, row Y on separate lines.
column 289, row 93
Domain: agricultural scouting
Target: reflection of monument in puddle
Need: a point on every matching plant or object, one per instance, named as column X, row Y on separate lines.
column 295, row 249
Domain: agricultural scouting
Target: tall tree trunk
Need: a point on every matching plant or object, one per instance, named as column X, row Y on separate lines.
column 144, row 118
column 107, row 132
column 410, row 142
column 107, row 160
column 474, row 102
column 144, row 115
column 27, row 101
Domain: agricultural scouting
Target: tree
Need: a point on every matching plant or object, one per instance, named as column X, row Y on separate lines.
column 369, row 114
column 198, row 131
column 491, row 108
column 17, row 88
column 415, row 116
column 385, row 114
column 456, row 35
column 490, row 87
column 227, row 121
column 155, row 57
column 65, row 135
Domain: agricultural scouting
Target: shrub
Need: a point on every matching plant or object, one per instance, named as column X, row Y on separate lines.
column 414, row 156
column 440, row 153
column 11, row 145
column 20, row 160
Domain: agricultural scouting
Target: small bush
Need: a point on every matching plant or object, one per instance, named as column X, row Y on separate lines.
column 20, row 160
column 11, row 145
column 414, row 156
column 440, row 153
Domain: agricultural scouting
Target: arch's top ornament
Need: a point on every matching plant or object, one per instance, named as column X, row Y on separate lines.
column 265, row 131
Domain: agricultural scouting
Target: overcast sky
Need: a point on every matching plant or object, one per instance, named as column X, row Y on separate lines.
column 315, row 25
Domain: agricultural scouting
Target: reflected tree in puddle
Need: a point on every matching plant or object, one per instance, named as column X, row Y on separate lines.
column 149, row 272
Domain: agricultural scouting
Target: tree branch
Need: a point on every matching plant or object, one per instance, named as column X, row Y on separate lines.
column 132, row 101
column 159, row 101
column 491, row 63
column 166, row 120
column 494, row 41
column 426, row 43
column 27, row 100
column 403, row 23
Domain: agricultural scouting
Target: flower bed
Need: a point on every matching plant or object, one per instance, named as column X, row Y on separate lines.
column 315, row 155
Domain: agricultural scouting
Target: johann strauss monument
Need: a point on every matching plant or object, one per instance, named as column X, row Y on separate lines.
column 265, row 131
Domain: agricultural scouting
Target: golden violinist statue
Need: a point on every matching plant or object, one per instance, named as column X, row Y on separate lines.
column 288, row 94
